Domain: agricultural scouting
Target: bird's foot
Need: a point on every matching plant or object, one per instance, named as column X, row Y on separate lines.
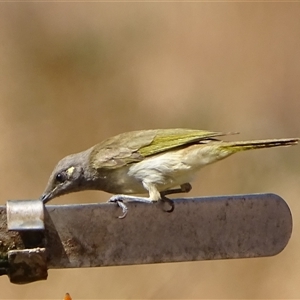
column 119, row 200
column 169, row 202
column 184, row 188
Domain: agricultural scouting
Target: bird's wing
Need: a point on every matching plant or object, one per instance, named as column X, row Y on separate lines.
column 134, row 146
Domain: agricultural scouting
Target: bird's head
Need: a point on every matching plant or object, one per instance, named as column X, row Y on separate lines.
column 67, row 177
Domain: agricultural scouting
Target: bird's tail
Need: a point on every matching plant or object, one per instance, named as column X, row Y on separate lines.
column 248, row 145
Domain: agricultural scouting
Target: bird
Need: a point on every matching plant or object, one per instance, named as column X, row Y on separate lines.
column 157, row 162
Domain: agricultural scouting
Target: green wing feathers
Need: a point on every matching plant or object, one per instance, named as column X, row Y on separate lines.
column 248, row 145
column 130, row 147
column 134, row 146
column 167, row 139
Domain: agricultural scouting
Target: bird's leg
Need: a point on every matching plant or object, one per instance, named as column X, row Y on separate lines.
column 170, row 202
column 119, row 200
column 184, row 188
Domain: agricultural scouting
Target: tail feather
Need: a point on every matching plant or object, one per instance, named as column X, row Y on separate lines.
column 248, row 145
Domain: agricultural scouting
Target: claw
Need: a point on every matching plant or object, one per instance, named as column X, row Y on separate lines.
column 123, row 207
column 170, row 202
column 120, row 203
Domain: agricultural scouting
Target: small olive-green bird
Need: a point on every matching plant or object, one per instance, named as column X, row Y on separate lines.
column 147, row 161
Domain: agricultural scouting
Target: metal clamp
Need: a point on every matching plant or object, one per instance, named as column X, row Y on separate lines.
column 29, row 264
column 25, row 215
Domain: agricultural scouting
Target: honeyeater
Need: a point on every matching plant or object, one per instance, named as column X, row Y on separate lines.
column 154, row 162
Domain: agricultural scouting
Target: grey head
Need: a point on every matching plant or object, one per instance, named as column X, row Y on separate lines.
column 70, row 175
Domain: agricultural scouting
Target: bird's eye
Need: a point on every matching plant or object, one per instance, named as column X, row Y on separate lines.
column 60, row 177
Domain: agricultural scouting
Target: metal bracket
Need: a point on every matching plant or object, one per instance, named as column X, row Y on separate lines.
column 92, row 235
column 25, row 215
column 27, row 218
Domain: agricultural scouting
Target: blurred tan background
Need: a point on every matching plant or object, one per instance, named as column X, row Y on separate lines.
column 72, row 74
